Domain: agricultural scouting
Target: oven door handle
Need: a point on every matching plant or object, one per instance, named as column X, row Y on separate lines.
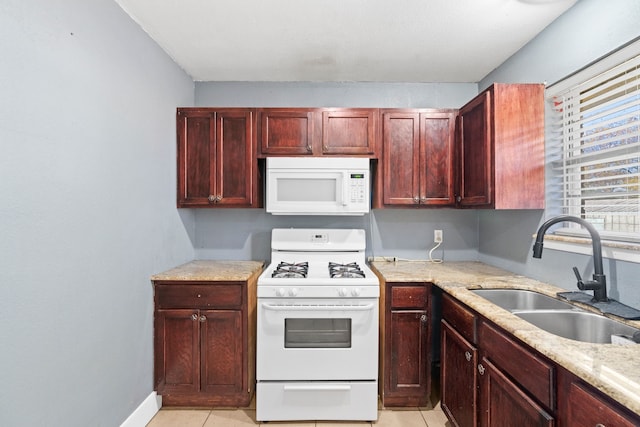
column 317, row 387
column 282, row 307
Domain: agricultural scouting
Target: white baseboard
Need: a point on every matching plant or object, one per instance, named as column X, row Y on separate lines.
column 143, row 413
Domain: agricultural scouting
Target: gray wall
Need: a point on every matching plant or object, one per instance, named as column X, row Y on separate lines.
column 404, row 233
column 586, row 32
column 87, row 183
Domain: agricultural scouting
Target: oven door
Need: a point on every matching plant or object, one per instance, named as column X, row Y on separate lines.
column 317, row 339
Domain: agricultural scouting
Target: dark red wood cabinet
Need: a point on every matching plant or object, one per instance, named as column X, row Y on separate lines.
column 204, row 343
column 405, row 340
column 489, row 378
column 217, row 164
column 318, row 131
column 418, row 158
column 500, row 148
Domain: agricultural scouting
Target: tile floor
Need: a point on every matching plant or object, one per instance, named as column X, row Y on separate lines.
column 178, row 417
column 430, row 416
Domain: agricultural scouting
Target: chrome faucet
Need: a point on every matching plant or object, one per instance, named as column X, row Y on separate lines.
column 599, row 283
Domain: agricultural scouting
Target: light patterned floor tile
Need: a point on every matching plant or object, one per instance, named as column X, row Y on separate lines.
column 180, row 417
column 231, row 418
column 390, row 418
column 436, row 418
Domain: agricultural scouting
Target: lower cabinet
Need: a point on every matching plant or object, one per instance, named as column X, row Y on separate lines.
column 202, row 344
column 405, row 345
column 459, row 359
column 490, row 378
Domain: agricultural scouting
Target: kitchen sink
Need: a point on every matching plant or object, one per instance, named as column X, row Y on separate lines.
column 520, row 299
column 577, row 325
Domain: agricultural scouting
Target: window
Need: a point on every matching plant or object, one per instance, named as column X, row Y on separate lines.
column 593, row 145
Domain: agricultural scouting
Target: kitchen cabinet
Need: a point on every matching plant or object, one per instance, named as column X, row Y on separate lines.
column 216, row 158
column 405, row 345
column 417, row 158
column 517, row 386
column 458, row 362
column 489, row 379
column 500, row 148
column 318, row 131
column 204, row 342
column 583, row 405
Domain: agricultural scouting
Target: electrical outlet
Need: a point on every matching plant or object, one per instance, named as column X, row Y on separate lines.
column 437, row 236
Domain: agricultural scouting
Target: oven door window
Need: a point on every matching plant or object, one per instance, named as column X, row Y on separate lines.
column 317, row 333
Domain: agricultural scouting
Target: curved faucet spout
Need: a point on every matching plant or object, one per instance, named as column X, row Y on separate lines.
column 599, row 283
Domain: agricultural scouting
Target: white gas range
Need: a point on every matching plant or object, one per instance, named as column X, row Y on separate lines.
column 317, row 333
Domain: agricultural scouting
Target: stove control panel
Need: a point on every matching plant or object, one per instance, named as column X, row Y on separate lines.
column 346, row 292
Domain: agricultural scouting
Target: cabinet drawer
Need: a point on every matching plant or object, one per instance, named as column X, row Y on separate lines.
column 198, row 296
column 459, row 317
column 409, row 297
column 533, row 373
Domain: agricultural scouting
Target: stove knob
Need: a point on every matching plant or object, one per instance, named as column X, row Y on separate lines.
column 293, row 292
column 355, row 292
column 342, row 292
column 280, row 292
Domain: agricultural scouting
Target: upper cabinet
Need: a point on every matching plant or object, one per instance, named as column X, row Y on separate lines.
column 418, row 158
column 501, row 148
column 216, row 158
column 317, row 132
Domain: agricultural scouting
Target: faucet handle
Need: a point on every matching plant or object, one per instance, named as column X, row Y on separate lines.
column 580, row 282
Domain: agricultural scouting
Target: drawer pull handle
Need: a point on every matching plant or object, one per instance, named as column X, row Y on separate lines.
column 467, row 356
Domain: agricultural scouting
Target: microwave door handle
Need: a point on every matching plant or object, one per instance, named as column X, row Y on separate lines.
column 344, row 188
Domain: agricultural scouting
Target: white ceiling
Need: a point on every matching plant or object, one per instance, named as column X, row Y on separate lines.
column 342, row 40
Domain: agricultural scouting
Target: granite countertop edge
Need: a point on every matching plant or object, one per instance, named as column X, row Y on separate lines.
column 612, row 369
column 211, row 270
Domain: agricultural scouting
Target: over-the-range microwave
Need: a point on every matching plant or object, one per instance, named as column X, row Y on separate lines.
column 318, row 185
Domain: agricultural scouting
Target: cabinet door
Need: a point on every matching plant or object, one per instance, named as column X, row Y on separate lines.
column 408, row 373
column 177, row 340
column 437, row 132
column 196, row 148
column 503, row 403
column 585, row 408
column 400, row 160
column 235, row 172
column 475, row 156
column 286, row 131
column 459, row 359
column 222, row 357
column 349, row 131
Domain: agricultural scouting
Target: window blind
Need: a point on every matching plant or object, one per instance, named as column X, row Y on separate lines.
column 593, row 132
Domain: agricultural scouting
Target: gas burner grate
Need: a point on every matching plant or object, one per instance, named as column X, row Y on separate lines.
column 288, row 269
column 342, row 271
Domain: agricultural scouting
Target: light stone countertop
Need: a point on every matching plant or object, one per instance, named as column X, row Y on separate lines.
column 211, row 270
column 613, row 369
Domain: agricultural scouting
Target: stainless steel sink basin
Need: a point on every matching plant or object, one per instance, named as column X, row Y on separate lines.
column 577, row 325
column 520, row 299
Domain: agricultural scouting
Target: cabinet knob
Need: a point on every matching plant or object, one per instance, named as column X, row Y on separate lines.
column 218, row 198
column 600, row 425
column 458, row 199
column 467, row 356
column 416, row 200
column 211, row 198
column 194, row 316
column 481, row 369
column 423, row 318
column 308, row 148
column 423, row 199
column 202, row 318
